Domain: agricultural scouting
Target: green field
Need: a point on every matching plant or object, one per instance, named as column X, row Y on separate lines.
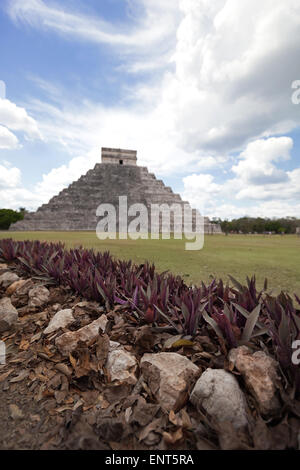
column 275, row 257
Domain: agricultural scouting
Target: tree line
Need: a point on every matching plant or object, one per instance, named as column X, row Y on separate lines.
column 286, row 225
column 9, row 216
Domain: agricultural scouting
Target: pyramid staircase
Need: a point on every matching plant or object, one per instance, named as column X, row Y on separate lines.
column 74, row 208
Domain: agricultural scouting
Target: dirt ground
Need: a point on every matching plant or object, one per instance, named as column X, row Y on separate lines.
column 52, row 401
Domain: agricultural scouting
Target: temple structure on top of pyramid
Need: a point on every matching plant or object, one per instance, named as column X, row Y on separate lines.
column 74, row 208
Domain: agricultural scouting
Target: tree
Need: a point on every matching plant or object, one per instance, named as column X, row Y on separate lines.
column 225, row 226
column 260, row 225
column 8, row 217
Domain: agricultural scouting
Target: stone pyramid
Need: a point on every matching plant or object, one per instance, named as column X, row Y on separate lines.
column 74, row 208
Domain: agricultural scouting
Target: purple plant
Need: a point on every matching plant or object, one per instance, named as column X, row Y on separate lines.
column 284, row 327
column 237, row 314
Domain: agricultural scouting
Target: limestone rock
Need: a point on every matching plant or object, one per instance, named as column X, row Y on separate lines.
column 259, row 372
column 121, row 366
column 6, row 279
column 14, row 286
column 8, row 314
column 61, row 319
column 113, row 345
column 67, row 342
column 170, row 376
column 38, row 296
column 20, row 297
column 219, row 394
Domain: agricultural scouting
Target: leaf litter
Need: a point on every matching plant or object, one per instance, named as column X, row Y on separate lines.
column 51, row 401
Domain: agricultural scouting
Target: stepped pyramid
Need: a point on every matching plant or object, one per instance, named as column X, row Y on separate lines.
column 74, row 208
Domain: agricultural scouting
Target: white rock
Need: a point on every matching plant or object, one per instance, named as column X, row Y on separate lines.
column 121, row 366
column 113, row 345
column 61, row 319
column 67, row 342
column 38, row 296
column 170, row 376
column 260, row 374
column 8, row 314
column 7, row 279
column 219, row 394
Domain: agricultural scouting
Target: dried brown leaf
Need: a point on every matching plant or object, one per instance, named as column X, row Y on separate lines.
column 5, row 375
column 172, row 438
column 21, row 376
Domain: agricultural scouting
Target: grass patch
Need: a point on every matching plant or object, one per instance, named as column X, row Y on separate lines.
column 275, row 257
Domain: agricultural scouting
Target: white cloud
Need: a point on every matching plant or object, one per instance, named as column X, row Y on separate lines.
column 84, row 126
column 199, row 189
column 256, row 165
column 207, row 162
column 146, row 39
column 288, row 189
column 276, row 209
column 16, row 118
column 7, row 139
column 9, row 178
column 156, row 22
column 233, row 64
column 59, row 178
column 18, row 197
column 234, row 69
column 259, row 188
column 230, row 91
column 270, row 209
column 258, row 177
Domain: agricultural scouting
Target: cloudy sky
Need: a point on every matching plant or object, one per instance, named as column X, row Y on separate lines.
column 201, row 88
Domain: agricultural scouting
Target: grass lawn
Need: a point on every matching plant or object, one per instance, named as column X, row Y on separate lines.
column 275, row 257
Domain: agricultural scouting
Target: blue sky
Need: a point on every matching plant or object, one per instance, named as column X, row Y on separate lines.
column 201, row 89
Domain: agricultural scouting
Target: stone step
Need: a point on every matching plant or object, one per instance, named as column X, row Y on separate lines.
column 74, row 207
